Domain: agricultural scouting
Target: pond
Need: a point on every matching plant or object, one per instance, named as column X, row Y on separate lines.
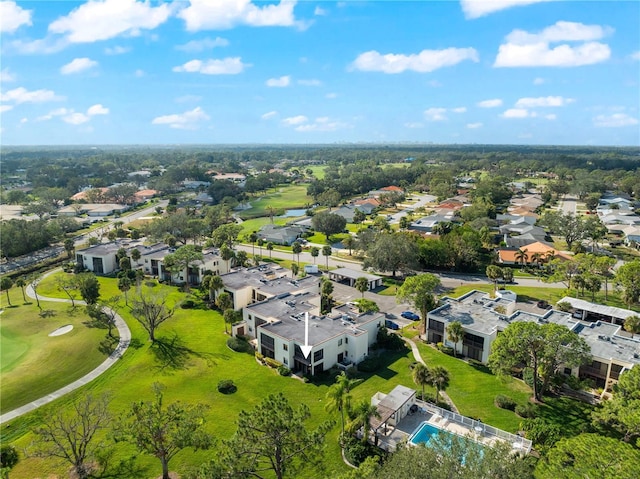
column 295, row 212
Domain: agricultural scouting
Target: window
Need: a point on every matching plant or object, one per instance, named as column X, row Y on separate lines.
column 436, row 326
column 318, row 355
column 284, row 361
column 346, row 340
column 266, row 340
column 340, row 342
column 285, row 347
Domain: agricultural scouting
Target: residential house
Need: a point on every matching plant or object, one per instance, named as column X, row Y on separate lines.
column 280, row 328
column 285, row 235
column 427, row 223
column 152, row 260
column 531, row 252
column 101, row 258
column 144, row 195
column 483, row 318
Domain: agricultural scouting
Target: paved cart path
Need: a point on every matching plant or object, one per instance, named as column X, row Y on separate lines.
column 123, row 344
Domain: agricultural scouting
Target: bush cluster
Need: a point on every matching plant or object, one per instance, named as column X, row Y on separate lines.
column 272, row 363
column 284, row 371
column 369, row 365
column 504, row 402
column 226, row 386
column 239, row 345
column 527, row 411
column 445, row 349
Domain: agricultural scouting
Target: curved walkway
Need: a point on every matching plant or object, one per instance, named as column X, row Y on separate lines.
column 123, row 344
column 418, row 357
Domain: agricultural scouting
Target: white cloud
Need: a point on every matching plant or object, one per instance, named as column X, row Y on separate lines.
column 94, row 21
column 4, row 108
column 414, row 124
column 226, row 66
column 295, row 120
column 473, row 126
column 78, row 65
column 204, row 44
column 117, row 50
column 425, row 61
column 281, row 82
column 76, row 118
column 460, row 109
column 493, row 103
column 225, row 14
column 615, row 120
column 435, row 114
column 45, row 45
column 539, row 81
column 518, row 113
column 269, row 115
column 13, row 17
column 311, row 82
column 6, row 76
column 319, row 12
column 635, row 55
column 434, row 84
column 24, row 120
column 184, row 121
column 323, row 123
column 551, row 116
column 548, row 101
column 139, row 73
column 524, row 49
column 51, row 114
column 331, row 96
column 480, row 8
column 22, row 95
column 97, row 109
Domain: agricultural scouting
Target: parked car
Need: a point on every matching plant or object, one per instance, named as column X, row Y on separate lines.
column 391, row 324
column 410, row 315
column 543, row 305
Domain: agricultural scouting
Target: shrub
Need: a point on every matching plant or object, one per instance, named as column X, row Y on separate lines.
column 260, row 357
column 504, row 402
column 239, row 345
column 370, row 364
column 226, row 386
column 564, row 306
column 188, row 304
column 445, row 349
column 284, row 371
column 272, row 363
column 528, row 410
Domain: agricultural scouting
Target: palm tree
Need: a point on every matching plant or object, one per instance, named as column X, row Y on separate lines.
column 315, row 251
column 363, row 413
column 5, row 285
column 362, row 285
column 260, row 242
column 521, row 256
column 214, row 283
column 421, row 376
column 271, row 211
column 124, row 285
column 21, row 283
column 294, row 270
column 456, row 334
column 494, row 273
column 224, row 302
column 632, row 325
column 326, row 251
column 339, row 397
column 537, row 259
column 270, row 248
column 348, row 243
column 296, row 248
column 439, row 379
column 253, row 237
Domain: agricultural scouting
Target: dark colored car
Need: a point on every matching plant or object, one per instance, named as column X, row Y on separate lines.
column 391, row 324
column 410, row 315
column 543, row 305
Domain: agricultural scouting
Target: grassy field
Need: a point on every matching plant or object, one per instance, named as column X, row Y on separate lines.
column 318, row 170
column 191, row 357
column 34, row 364
column 286, row 197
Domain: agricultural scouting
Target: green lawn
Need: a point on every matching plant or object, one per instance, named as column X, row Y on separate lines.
column 191, row 357
column 318, row 170
column 286, row 197
column 34, row 364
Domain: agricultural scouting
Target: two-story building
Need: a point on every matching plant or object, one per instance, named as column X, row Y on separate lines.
column 281, row 328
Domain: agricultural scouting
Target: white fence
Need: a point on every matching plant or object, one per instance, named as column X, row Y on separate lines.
column 517, row 442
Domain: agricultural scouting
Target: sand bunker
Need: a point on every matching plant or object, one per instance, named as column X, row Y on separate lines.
column 62, row 330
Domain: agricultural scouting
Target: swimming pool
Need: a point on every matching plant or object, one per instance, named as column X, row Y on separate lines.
column 425, row 432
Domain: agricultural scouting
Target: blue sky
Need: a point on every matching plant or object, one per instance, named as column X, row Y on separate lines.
column 236, row 71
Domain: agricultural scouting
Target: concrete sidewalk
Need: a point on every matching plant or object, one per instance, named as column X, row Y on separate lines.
column 123, row 344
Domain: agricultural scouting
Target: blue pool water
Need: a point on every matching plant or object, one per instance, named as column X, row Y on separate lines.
column 425, row 432
column 296, row 212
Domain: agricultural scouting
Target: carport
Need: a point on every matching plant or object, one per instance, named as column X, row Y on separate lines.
column 349, row 276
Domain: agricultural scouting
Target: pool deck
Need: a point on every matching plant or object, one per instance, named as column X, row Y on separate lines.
column 477, row 431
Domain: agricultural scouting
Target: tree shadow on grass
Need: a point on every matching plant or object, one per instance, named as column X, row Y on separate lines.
column 573, row 416
column 126, row 468
column 172, row 354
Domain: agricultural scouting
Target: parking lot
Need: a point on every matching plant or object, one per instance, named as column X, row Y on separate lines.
column 387, row 304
